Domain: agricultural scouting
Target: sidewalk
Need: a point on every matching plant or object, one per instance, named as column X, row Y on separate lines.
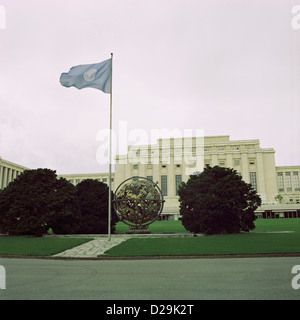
column 91, row 249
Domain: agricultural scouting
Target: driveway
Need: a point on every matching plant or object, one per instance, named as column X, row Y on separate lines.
column 157, row 279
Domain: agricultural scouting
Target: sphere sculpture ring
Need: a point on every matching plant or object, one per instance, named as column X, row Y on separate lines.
column 138, row 202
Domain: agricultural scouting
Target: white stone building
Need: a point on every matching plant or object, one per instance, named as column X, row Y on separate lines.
column 171, row 161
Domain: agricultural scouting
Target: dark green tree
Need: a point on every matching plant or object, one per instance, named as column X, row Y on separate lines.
column 93, row 201
column 217, row 201
column 36, row 201
column 65, row 215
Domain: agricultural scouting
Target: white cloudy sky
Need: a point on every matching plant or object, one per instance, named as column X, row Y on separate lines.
column 227, row 67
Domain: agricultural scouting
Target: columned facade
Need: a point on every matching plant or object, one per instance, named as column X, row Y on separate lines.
column 77, row 178
column 8, row 172
column 170, row 162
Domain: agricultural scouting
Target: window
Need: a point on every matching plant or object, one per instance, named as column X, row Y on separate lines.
column 150, row 178
column 253, row 180
column 178, row 180
column 288, row 181
column 296, row 181
column 222, row 164
column 252, row 162
column 236, row 162
column 135, row 166
column 164, row 185
column 280, row 181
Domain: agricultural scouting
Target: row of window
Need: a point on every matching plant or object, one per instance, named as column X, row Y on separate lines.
column 222, row 163
column 164, row 183
column 186, row 149
column 288, row 180
column 178, row 181
column 77, row 181
column 236, row 162
column 136, row 166
column 233, row 148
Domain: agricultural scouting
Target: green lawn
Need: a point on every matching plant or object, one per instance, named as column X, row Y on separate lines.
column 261, row 226
column 244, row 243
column 25, row 245
column 156, row 227
column 216, row 244
column 269, row 225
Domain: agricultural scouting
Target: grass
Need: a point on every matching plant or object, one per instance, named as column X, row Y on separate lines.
column 25, row 245
column 216, row 244
column 156, row 227
column 243, row 243
column 261, row 225
column 272, row 225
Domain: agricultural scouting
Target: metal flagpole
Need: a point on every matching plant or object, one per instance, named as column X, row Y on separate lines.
column 110, row 154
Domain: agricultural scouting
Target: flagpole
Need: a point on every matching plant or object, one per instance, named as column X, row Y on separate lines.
column 110, row 154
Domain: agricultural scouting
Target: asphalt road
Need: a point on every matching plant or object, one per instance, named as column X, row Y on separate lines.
column 162, row 279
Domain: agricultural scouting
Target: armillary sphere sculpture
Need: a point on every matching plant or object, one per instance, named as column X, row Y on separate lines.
column 138, row 202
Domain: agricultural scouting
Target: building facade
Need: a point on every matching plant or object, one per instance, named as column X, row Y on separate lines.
column 77, row 178
column 8, row 172
column 172, row 161
column 288, row 184
column 169, row 162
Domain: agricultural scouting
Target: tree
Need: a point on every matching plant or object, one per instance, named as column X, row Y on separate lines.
column 93, row 202
column 279, row 198
column 217, row 201
column 36, row 201
column 66, row 211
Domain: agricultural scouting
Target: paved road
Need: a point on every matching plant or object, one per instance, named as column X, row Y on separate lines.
column 162, row 279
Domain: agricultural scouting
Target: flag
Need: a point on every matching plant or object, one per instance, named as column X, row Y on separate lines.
column 96, row 76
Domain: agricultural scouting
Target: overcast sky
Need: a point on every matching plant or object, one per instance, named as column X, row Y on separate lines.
column 227, row 67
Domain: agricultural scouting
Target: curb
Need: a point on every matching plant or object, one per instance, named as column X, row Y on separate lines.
column 174, row 257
